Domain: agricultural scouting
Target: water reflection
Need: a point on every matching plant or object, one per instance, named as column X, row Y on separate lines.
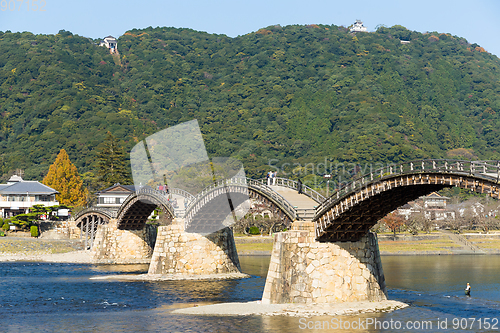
column 446, row 275
column 135, row 269
column 255, row 265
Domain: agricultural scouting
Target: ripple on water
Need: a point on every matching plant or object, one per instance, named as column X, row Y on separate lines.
column 57, row 297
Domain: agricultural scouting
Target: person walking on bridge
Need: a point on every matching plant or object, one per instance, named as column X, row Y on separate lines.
column 299, row 186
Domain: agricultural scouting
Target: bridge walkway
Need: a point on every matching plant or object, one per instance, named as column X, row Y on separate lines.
column 304, row 205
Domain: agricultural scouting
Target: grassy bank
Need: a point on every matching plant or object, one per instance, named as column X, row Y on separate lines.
column 13, row 245
column 439, row 244
column 405, row 243
column 248, row 245
column 489, row 242
column 434, row 242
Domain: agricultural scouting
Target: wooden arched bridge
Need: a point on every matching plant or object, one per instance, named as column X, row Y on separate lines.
column 206, row 211
column 89, row 219
column 352, row 210
column 210, row 208
column 345, row 216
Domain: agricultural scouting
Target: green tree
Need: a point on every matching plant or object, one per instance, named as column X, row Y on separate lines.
column 63, row 177
column 5, row 225
column 112, row 167
column 34, row 231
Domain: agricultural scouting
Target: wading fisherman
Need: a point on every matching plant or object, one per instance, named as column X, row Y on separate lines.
column 467, row 289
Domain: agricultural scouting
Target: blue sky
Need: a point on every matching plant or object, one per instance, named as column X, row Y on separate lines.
column 478, row 21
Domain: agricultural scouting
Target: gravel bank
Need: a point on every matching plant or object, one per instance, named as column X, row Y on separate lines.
column 29, row 249
column 68, row 257
column 173, row 277
column 297, row 310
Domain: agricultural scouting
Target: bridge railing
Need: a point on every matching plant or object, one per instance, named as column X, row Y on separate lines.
column 247, row 182
column 162, row 196
column 261, row 185
column 489, row 170
column 103, row 211
column 219, row 183
column 182, row 193
column 294, row 185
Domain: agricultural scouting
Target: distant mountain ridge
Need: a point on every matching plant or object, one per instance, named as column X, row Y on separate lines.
column 293, row 94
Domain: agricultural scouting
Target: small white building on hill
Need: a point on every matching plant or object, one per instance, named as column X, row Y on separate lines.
column 358, row 27
column 111, row 43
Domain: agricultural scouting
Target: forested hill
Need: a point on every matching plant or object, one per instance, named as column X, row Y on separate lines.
column 297, row 94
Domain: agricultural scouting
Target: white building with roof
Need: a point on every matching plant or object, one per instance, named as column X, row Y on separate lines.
column 111, row 43
column 113, row 196
column 18, row 196
column 358, row 27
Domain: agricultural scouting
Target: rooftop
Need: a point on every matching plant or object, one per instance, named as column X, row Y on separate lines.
column 435, row 195
column 25, row 187
column 119, row 189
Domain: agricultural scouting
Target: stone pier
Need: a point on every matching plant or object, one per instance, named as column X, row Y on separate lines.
column 182, row 253
column 303, row 270
column 112, row 245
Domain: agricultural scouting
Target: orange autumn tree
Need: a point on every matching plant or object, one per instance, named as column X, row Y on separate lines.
column 393, row 221
column 63, row 177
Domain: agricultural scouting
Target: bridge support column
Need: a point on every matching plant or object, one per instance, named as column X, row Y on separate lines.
column 180, row 252
column 72, row 230
column 303, row 270
column 112, row 245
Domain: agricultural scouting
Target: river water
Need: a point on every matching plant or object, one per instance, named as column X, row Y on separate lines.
column 49, row 297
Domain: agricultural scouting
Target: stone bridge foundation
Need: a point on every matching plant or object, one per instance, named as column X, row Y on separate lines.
column 303, row 270
column 112, row 245
column 180, row 252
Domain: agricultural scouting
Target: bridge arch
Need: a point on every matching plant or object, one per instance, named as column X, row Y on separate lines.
column 137, row 207
column 351, row 211
column 88, row 220
column 210, row 207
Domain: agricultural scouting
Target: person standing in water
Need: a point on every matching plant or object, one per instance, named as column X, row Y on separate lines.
column 467, row 289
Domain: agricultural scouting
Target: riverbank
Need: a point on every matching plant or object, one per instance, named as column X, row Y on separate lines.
column 172, row 277
column 440, row 243
column 75, row 257
column 435, row 243
column 254, row 245
column 32, row 249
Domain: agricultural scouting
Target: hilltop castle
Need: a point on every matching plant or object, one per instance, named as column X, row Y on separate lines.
column 358, row 27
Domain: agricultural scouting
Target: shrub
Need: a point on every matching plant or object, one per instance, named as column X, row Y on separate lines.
column 254, row 231
column 2, row 234
column 6, row 225
column 34, row 231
